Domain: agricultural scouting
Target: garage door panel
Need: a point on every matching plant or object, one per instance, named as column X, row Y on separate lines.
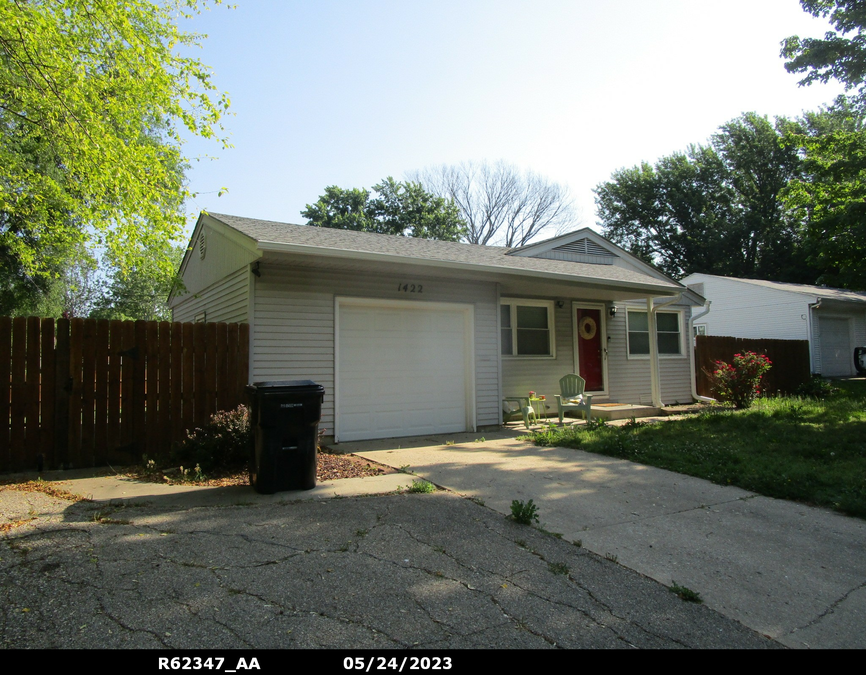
column 401, row 371
column 836, row 350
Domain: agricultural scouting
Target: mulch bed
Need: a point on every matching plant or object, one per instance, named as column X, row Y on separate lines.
column 329, row 466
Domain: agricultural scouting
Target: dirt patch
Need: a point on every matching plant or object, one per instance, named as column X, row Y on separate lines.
column 329, row 466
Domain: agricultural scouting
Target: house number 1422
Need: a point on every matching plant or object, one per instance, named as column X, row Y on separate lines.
column 409, row 288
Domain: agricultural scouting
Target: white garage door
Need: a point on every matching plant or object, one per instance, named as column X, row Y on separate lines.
column 837, row 354
column 402, row 370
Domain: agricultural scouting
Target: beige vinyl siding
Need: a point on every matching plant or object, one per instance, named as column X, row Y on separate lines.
column 294, row 326
column 630, row 378
column 226, row 300
column 522, row 374
column 222, row 258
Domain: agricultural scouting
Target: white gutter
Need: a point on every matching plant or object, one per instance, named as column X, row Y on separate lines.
column 655, row 379
column 695, row 395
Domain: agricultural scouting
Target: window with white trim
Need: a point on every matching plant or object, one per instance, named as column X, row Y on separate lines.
column 668, row 328
column 527, row 327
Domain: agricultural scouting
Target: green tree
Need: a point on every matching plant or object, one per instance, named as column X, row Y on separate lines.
column 94, row 100
column 139, row 292
column 401, row 208
column 716, row 209
column 840, row 54
column 674, row 214
column 830, row 195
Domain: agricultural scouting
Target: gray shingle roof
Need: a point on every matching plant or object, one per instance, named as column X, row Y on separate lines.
column 490, row 257
column 804, row 289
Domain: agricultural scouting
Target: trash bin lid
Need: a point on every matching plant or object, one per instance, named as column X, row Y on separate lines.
column 293, row 385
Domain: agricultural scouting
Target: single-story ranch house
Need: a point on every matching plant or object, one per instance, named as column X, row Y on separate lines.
column 413, row 336
column 833, row 320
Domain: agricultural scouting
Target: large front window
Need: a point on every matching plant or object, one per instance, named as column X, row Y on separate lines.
column 527, row 327
column 667, row 327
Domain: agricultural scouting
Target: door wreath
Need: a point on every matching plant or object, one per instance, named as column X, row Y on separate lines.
column 587, row 328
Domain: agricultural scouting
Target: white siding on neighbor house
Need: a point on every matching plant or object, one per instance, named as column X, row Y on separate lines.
column 226, row 300
column 748, row 311
column 628, row 379
column 293, row 336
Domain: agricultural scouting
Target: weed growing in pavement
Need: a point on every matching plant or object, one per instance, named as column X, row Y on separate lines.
column 686, row 594
column 558, row 568
column 422, row 486
column 524, row 513
column 611, row 556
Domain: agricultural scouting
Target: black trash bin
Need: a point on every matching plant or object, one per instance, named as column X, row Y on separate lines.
column 285, row 418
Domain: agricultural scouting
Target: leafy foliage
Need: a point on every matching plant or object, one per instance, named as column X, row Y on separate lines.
column 223, row 444
column 835, row 56
column 830, row 193
column 140, row 292
column 715, row 209
column 740, row 382
column 94, row 101
column 400, row 208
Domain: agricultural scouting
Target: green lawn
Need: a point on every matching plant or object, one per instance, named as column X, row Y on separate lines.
column 808, row 450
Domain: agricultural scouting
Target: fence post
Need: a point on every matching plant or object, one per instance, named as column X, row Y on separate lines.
column 62, row 390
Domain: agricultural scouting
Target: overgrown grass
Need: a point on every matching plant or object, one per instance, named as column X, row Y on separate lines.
column 804, row 449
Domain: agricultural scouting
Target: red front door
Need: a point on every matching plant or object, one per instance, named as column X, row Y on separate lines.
column 589, row 346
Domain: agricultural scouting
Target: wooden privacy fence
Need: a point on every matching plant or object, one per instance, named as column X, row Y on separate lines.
column 84, row 392
column 790, row 361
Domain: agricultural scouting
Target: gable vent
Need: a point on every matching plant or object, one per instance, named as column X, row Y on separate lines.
column 202, row 244
column 586, row 247
column 582, row 250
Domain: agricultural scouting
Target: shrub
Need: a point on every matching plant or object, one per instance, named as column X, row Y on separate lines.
column 223, row 444
column 740, row 382
column 816, row 387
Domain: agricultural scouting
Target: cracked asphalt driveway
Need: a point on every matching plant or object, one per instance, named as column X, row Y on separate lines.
column 431, row 571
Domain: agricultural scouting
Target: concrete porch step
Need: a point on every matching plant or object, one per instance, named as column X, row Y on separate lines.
column 621, row 411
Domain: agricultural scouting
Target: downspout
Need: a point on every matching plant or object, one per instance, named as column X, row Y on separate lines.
column 695, row 395
column 810, row 337
column 655, row 378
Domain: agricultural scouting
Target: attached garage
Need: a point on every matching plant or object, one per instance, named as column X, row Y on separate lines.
column 837, row 352
column 403, row 368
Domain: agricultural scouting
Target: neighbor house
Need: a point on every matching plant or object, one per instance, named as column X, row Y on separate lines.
column 831, row 319
column 413, row 336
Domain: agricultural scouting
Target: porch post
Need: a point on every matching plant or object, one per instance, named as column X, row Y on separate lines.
column 655, row 387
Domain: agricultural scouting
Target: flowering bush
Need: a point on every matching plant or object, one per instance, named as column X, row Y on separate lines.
column 740, row 382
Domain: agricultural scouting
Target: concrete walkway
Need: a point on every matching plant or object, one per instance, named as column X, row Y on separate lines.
column 791, row 572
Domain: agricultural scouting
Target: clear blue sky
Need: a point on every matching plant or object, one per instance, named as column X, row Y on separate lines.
column 346, row 92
